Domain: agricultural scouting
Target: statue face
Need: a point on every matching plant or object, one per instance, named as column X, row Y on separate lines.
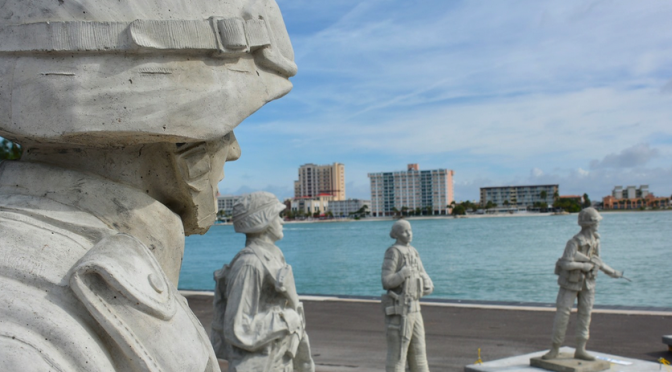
column 200, row 167
column 275, row 229
column 594, row 227
column 405, row 234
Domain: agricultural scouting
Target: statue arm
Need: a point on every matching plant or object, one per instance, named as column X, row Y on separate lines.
column 390, row 277
column 604, row 267
column 247, row 324
column 427, row 284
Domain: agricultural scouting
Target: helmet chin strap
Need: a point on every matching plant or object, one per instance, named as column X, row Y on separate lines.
column 194, row 166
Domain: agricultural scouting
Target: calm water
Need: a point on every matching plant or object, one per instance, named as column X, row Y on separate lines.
column 492, row 259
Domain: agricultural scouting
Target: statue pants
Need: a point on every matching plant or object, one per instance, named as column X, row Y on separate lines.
column 564, row 304
column 411, row 347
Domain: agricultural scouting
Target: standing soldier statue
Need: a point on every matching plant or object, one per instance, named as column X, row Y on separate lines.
column 259, row 325
column 577, row 270
column 406, row 281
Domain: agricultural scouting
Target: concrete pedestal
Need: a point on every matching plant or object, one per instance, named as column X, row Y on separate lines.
column 521, row 363
column 565, row 362
column 667, row 340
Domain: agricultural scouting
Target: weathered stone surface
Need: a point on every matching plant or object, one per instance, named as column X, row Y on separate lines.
column 565, row 362
column 125, row 112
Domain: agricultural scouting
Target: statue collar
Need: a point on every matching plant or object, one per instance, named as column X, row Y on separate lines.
column 120, row 207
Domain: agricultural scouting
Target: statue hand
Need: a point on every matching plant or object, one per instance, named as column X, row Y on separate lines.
column 616, row 274
column 405, row 271
column 293, row 320
column 587, row 267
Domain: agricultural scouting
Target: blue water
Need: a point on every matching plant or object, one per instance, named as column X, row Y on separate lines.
column 490, row 259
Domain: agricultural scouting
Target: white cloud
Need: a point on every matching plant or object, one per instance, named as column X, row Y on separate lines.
column 631, row 157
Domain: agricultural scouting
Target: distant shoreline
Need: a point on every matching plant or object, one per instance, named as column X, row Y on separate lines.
column 410, row 218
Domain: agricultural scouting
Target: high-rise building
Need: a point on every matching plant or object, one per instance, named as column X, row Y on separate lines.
column 518, row 196
column 319, row 180
column 430, row 191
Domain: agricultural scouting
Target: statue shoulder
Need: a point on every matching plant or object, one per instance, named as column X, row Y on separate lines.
column 393, row 251
column 579, row 240
column 124, row 289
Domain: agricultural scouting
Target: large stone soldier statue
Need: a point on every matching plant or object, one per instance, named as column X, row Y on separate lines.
column 125, row 111
column 577, row 270
column 406, row 281
column 259, row 325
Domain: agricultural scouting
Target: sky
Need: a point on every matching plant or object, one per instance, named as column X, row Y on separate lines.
column 506, row 92
column 577, row 93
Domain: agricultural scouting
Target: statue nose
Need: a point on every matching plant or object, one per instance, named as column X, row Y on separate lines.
column 234, row 148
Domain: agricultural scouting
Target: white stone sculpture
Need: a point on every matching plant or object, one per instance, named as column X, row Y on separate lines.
column 577, row 270
column 125, row 111
column 259, row 324
column 406, row 281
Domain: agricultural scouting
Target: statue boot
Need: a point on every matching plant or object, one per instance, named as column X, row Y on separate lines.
column 553, row 353
column 581, row 352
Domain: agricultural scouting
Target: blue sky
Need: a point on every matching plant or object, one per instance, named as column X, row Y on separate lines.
column 509, row 92
column 503, row 92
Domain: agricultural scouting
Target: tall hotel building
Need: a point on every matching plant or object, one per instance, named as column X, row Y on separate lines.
column 321, row 180
column 413, row 188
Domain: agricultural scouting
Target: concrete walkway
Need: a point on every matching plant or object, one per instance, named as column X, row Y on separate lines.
column 348, row 335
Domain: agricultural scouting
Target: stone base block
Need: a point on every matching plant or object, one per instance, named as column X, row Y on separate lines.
column 521, row 363
column 667, row 340
column 565, row 362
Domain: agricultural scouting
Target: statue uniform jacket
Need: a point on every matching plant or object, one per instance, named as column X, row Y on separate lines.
column 83, row 285
column 396, row 257
column 250, row 331
column 568, row 269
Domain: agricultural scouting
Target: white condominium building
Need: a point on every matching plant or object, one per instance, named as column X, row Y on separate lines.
column 315, row 180
column 518, row 196
column 429, row 190
column 630, row 192
column 225, row 203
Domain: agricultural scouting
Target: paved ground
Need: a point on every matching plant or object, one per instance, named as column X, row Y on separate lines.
column 349, row 336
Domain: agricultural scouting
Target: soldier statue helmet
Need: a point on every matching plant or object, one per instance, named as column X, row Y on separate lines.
column 589, row 217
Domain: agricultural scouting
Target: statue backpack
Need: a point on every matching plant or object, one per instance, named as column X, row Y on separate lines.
column 217, row 340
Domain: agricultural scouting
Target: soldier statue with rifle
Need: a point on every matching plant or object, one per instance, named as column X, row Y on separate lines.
column 577, row 270
column 406, row 281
